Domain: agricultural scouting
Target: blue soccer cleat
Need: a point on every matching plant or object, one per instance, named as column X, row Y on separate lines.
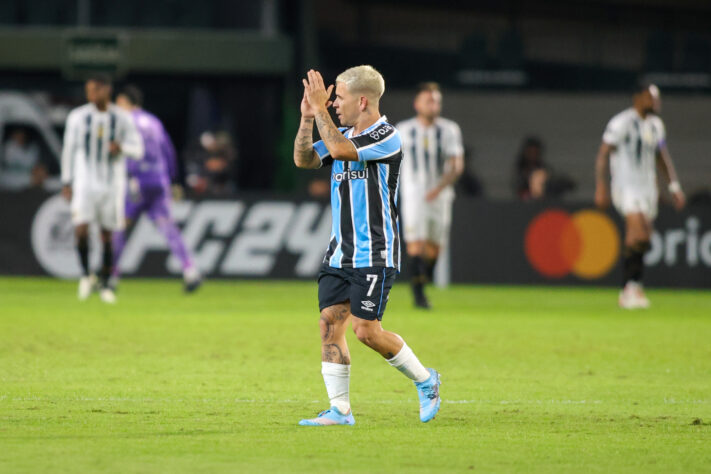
column 428, row 392
column 330, row 417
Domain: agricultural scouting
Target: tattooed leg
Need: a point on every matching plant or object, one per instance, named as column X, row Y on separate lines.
column 335, row 359
column 334, row 354
column 333, row 323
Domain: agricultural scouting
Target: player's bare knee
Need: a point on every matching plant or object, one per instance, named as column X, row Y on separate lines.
column 415, row 249
column 365, row 334
column 325, row 326
column 637, row 239
column 328, row 315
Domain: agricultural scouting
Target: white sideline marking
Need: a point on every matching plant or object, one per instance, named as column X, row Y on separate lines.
column 667, row 401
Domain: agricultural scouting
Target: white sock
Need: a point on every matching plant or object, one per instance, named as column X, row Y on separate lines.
column 337, row 378
column 407, row 362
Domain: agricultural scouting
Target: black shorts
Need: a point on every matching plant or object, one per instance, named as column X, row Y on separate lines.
column 367, row 289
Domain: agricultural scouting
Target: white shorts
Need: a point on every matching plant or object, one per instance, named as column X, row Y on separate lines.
column 428, row 221
column 103, row 207
column 635, row 200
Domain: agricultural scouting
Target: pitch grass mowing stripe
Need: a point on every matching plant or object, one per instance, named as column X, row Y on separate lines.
column 535, row 380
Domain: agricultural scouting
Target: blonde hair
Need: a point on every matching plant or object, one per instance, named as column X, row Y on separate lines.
column 364, row 79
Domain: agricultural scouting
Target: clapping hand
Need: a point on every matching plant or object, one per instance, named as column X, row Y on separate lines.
column 316, row 95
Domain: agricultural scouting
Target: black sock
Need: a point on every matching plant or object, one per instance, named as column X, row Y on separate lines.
column 430, row 265
column 83, row 249
column 641, row 249
column 638, row 266
column 106, row 262
column 633, row 262
column 419, row 275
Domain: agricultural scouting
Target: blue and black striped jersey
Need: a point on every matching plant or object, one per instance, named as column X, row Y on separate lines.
column 364, row 199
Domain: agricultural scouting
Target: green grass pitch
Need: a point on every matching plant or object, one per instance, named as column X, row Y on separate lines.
column 534, row 380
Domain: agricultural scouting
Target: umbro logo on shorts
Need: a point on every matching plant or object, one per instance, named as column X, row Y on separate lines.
column 367, row 305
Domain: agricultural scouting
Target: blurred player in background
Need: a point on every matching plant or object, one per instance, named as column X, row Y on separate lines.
column 433, row 159
column 97, row 136
column 633, row 144
column 149, row 187
column 363, row 256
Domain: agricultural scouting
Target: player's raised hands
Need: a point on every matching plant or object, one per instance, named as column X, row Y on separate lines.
column 306, row 107
column 315, row 92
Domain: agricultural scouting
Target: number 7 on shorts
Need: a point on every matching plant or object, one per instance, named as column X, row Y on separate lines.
column 373, row 279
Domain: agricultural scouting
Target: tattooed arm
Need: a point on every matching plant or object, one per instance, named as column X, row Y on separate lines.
column 338, row 145
column 665, row 164
column 453, row 167
column 334, row 347
column 317, row 97
column 602, row 176
column 304, row 154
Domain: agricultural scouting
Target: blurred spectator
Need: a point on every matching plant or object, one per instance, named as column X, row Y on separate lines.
column 533, row 178
column 319, row 188
column 469, row 183
column 210, row 165
column 530, row 174
column 20, row 166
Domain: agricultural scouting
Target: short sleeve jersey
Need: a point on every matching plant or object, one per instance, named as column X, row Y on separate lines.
column 364, row 199
column 426, row 150
column 636, row 141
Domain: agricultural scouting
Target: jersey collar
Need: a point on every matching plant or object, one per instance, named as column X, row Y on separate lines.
column 378, row 122
column 95, row 109
column 422, row 126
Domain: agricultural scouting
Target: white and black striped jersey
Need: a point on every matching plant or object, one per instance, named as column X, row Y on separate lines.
column 364, row 199
column 86, row 161
column 426, row 149
column 636, row 141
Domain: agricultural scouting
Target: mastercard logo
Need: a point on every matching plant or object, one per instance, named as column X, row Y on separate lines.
column 585, row 243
